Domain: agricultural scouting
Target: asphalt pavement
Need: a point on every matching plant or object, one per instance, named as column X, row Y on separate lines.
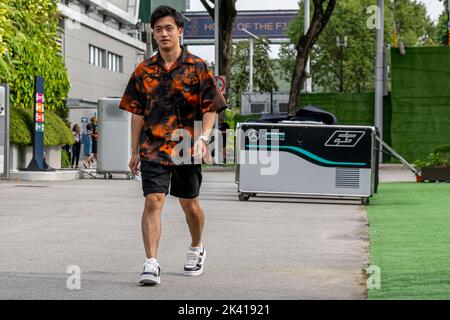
column 265, row 248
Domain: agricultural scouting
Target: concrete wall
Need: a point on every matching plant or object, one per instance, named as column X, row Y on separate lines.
column 20, row 157
column 122, row 4
column 88, row 81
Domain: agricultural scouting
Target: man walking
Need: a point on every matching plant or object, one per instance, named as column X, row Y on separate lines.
column 168, row 92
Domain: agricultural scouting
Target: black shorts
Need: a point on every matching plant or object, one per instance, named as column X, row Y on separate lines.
column 184, row 180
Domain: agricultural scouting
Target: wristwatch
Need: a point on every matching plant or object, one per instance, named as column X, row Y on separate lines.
column 205, row 139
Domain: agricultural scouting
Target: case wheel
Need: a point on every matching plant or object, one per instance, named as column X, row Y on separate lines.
column 109, row 176
column 365, row 201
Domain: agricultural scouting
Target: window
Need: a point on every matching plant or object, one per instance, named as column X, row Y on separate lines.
column 257, row 107
column 283, row 107
column 60, row 37
column 97, row 56
column 114, row 62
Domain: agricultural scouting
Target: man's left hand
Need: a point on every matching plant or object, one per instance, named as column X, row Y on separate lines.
column 200, row 149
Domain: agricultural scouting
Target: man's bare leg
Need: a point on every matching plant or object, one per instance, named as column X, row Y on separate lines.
column 195, row 219
column 196, row 253
column 151, row 223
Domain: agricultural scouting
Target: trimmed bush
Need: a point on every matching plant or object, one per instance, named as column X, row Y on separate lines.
column 56, row 132
column 19, row 127
column 65, row 159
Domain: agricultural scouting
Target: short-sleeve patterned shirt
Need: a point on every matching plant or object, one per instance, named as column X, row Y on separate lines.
column 169, row 100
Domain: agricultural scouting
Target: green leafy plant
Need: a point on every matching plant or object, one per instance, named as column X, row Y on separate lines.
column 439, row 157
column 56, row 132
column 19, row 127
column 415, row 28
column 264, row 70
column 28, row 47
column 65, row 159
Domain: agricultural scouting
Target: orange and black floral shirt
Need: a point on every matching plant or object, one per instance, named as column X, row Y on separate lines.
column 169, row 100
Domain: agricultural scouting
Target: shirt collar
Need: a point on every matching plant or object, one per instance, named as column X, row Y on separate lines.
column 185, row 58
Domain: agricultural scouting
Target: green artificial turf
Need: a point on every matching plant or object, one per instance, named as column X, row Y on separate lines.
column 410, row 240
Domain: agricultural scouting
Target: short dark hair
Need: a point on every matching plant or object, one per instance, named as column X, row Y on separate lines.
column 164, row 11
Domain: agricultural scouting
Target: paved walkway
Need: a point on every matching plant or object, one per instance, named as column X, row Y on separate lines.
column 266, row 248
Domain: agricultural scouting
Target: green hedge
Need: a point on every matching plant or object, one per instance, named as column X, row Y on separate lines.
column 56, row 131
column 353, row 109
column 65, row 159
column 420, row 100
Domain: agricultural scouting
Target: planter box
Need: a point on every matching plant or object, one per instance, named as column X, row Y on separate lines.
column 435, row 174
column 20, row 156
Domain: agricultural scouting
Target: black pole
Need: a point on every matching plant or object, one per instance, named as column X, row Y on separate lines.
column 271, row 100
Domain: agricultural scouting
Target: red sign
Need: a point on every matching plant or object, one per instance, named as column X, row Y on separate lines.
column 221, row 83
column 39, row 117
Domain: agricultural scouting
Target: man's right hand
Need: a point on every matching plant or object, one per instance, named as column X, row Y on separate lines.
column 134, row 163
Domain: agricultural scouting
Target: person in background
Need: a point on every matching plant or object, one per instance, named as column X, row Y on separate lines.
column 223, row 127
column 76, row 147
column 94, row 136
column 87, row 146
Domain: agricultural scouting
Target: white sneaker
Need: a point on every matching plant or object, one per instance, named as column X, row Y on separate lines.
column 194, row 262
column 151, row 273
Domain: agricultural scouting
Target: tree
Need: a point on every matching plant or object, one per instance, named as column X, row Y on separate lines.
column 226, row 20
column 264, row 69
column 28, row 47
column 414, row 29
column 442, row 33
column 321, row 15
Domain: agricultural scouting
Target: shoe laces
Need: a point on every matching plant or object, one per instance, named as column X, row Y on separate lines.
column 192, row 258
column 151, row 266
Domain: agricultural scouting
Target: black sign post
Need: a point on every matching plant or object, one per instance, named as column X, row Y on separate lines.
column 38, row 162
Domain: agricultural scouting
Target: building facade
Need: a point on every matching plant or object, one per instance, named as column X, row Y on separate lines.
column 101, row 45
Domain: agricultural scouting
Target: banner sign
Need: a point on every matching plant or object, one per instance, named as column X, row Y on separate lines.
column 269, row 24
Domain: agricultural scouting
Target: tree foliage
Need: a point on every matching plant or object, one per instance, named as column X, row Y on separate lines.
column 263, row 69
column 350, row 18
column 414, row 26
column 29, row 47
column 442, row 26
